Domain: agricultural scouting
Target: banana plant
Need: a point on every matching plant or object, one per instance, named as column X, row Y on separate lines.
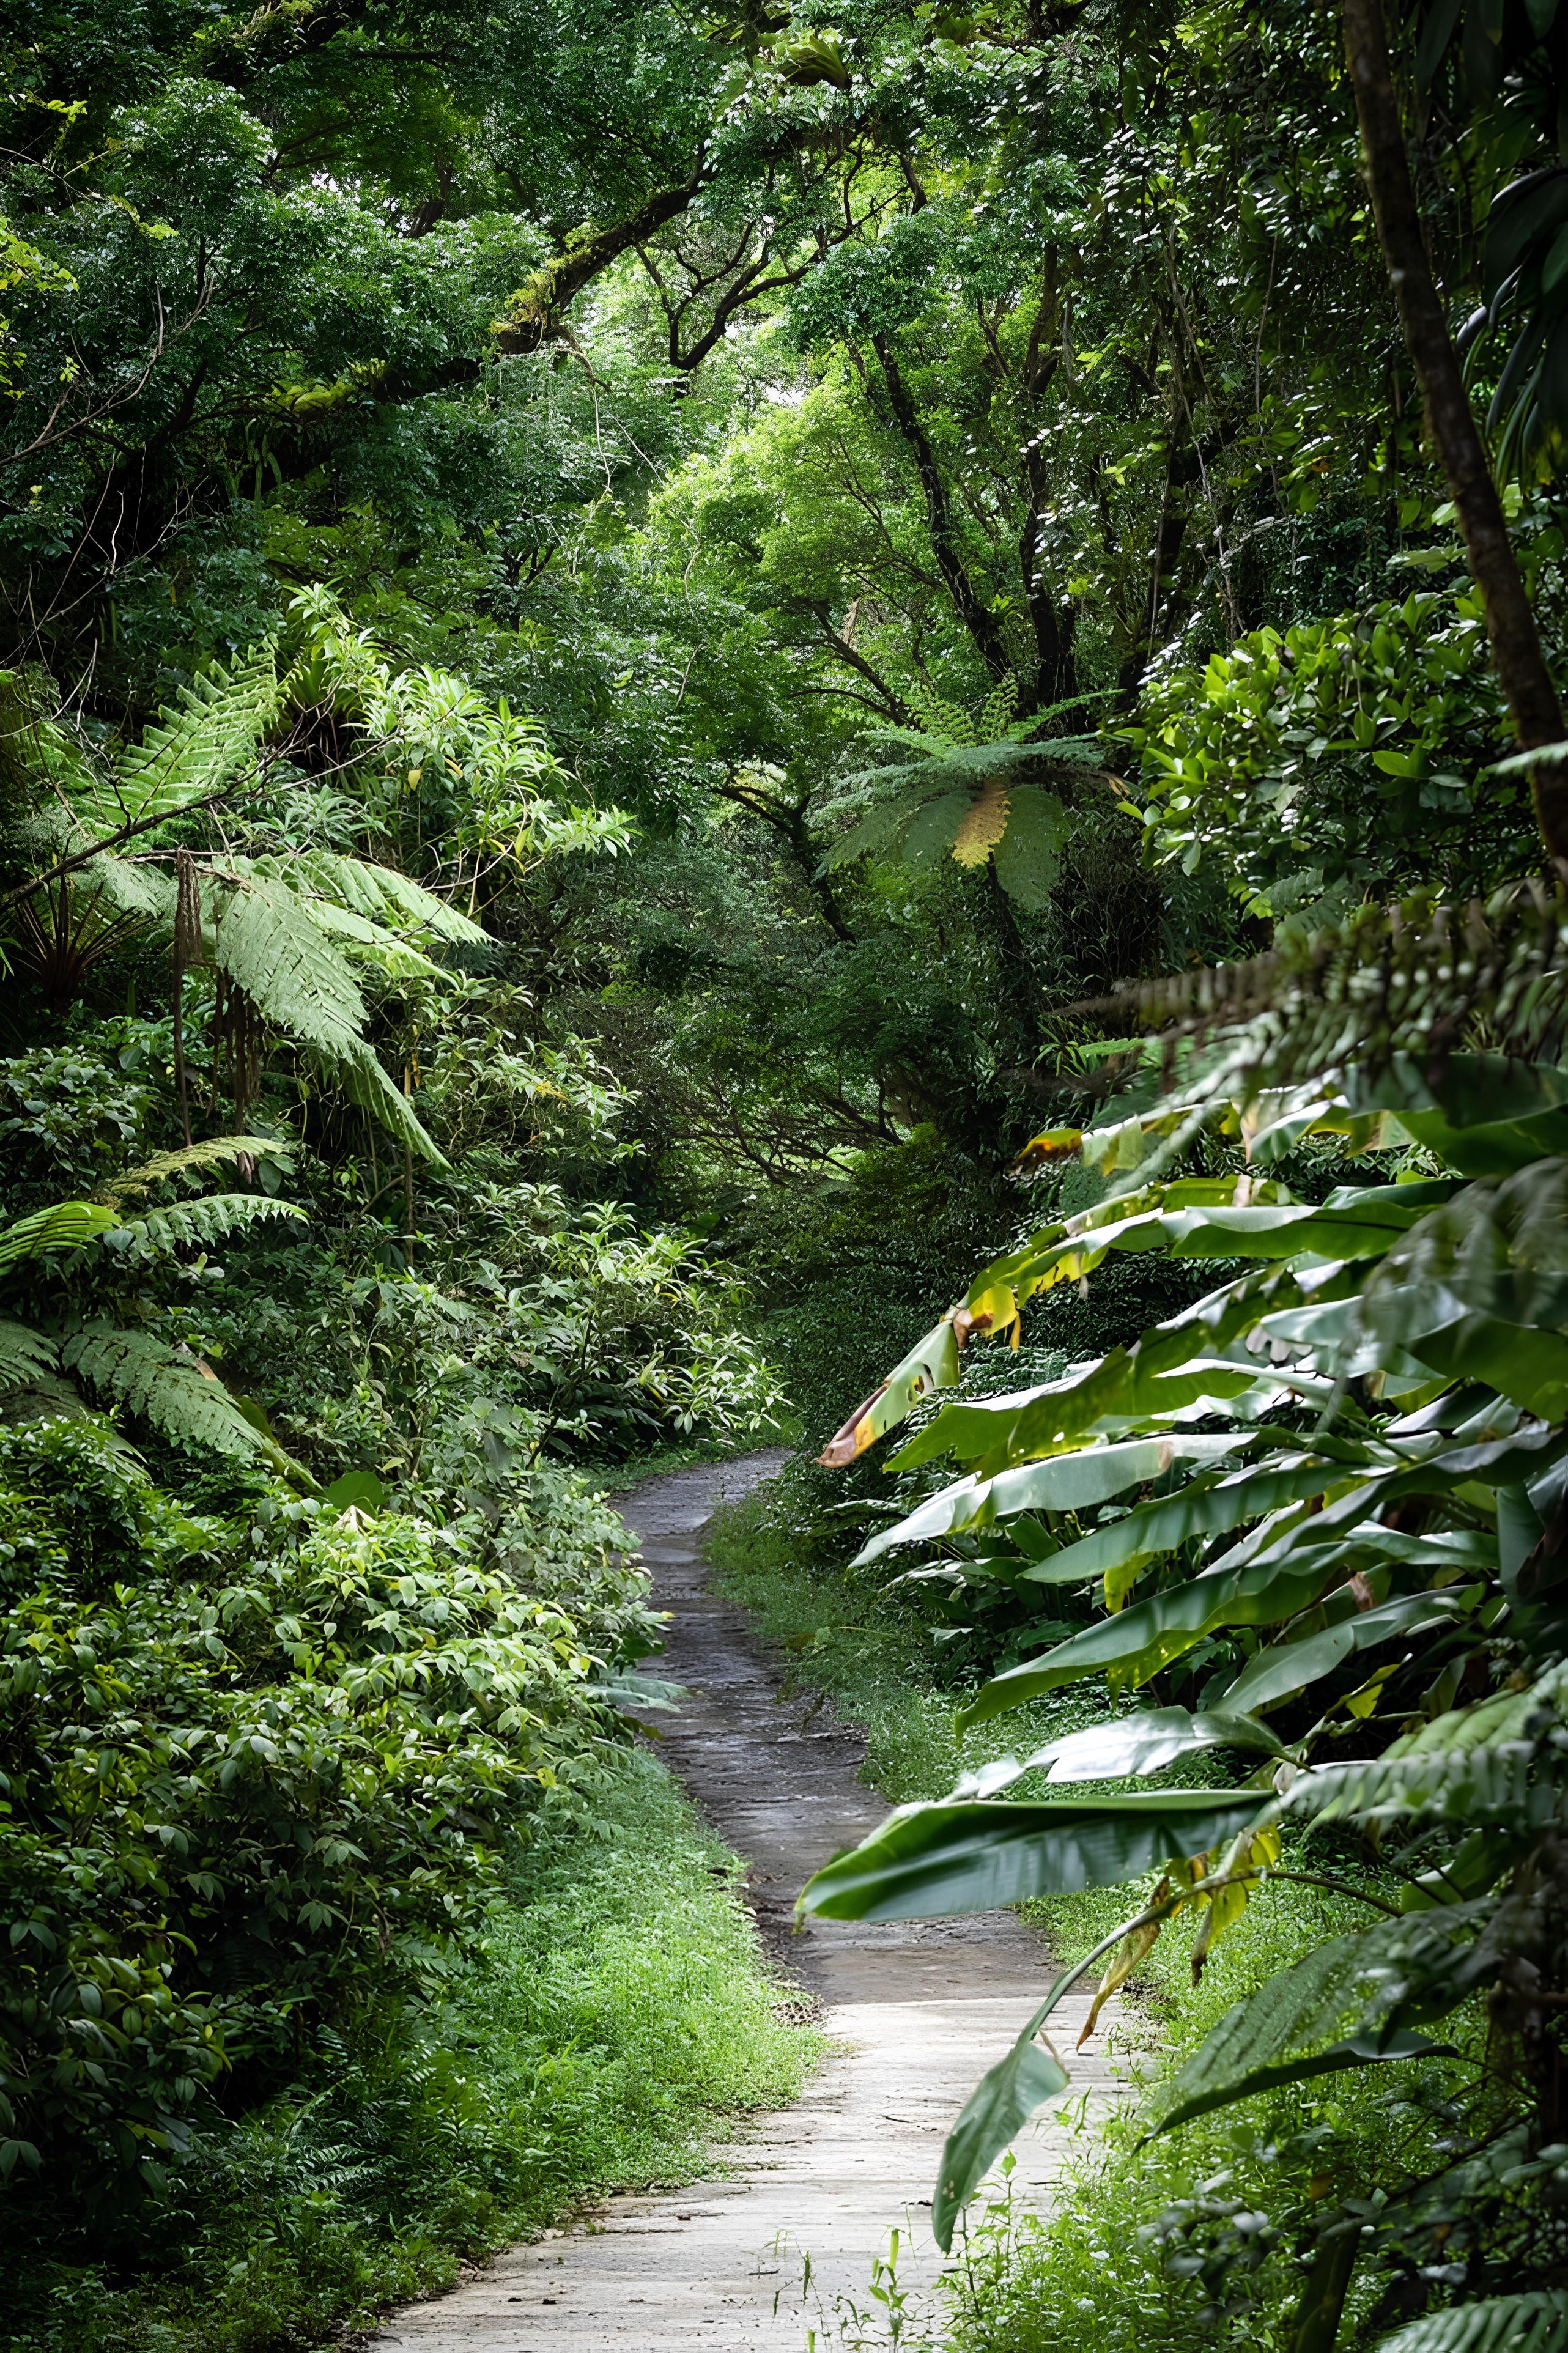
column 1339, row 1481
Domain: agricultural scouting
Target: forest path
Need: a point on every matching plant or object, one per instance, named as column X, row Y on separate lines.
column 916, row 2011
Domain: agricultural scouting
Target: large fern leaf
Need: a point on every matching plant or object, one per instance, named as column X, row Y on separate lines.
column 388, row 952
column 210, row 1219
column 193, row 750
column 381, row 894
column 24, row 1355
column 175, row 1392
column 365, row 1083
column 269, row 945
column 212, row 1152
column 63, row 1225
column 1533, row 2323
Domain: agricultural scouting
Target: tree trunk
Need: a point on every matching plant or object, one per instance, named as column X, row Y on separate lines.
column 1510, row 624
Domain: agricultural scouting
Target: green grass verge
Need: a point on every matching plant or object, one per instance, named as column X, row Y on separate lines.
column 624, row 2013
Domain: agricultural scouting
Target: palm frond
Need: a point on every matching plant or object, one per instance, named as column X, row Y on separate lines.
column 1533, row 2323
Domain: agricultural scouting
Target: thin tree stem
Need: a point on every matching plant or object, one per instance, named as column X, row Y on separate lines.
column 1510, row 624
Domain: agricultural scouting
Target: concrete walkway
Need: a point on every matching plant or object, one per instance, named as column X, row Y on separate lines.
column 916, row 2013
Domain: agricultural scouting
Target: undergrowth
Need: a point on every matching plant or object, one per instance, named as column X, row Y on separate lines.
column 623, row 2010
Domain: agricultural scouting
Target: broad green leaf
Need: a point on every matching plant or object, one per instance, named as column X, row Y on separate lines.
column 1150, row 1529
column 992, row 2117
column 1286, row 1667
column 1141, row 1743
column 931, row 1364
column 1063, row 1483
column 1136, row 1643
column 933, row 1859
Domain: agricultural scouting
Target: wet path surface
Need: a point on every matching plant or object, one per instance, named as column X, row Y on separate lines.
column 916, row 2013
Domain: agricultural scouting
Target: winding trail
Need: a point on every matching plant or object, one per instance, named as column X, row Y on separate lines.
column 916, row 2011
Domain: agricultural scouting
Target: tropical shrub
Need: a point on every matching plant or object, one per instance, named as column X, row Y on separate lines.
column 1320, row 1512
column 257, row 1777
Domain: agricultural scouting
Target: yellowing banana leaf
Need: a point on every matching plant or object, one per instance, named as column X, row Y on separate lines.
column 931, row 1364
column 930, row 1860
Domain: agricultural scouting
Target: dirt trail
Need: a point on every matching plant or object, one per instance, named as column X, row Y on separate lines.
column 916, row 2011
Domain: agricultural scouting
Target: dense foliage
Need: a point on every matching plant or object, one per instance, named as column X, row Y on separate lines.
column 630, row 635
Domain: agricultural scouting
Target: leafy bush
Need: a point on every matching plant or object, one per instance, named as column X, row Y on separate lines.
column 258, row 1776
column 617, row 2012
column 1337, row 755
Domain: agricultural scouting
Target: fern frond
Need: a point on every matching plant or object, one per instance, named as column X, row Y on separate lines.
column 1418, row 977
column 121, row 886
column 269, row 945
column 193, row 750
column 26, row 1356
column 214, row 1152
column 380, row 893
column 63, row 1225
column 46, row 1398
column 365, row 1083
column 175, row 1392
column 389, row 952
column 1534, row 2323
column 207, row 1220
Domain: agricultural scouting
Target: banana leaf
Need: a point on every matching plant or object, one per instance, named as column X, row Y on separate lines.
column 930, row 1860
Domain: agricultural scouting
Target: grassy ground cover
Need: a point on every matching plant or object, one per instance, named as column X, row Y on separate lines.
column 1163, row 2246
column 623, row 2013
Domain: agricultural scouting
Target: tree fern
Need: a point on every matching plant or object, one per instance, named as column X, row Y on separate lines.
column 363, row 1080
column 26, row 1355
column 193, row 750
column 267, row 943
column 388, row 952
column 1536, row 2323
column 170, row 1388
column 213, row 1152
column 380, row 893
column 207, row 1220
column 1418, row 977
